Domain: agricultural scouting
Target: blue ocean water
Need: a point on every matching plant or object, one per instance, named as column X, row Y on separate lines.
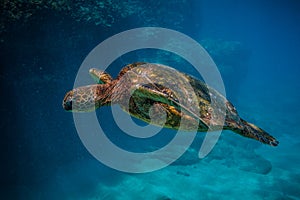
column 255, row 44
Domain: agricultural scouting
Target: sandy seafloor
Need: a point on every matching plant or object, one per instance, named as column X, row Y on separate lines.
column 256, row 46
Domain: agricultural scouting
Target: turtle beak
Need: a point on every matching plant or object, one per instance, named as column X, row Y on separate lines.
column 67, row 102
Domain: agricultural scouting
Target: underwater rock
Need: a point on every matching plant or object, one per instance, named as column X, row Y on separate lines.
column 238, row 155
column 189, row 157
column 183, row 173
column 256, row 164
column 164, row 198
column 230, row 152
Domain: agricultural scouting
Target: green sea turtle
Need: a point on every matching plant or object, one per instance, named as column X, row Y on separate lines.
column 148, row 94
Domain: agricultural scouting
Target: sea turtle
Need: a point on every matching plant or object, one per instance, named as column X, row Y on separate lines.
column 136, row 92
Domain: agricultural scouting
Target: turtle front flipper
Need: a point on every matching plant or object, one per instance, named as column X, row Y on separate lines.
column 158, row 93
column 99, row 76
column 252, row 131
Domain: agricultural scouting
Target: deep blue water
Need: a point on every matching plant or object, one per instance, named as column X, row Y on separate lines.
column 257, row 53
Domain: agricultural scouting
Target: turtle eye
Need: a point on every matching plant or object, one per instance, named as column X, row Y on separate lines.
column 68, row 105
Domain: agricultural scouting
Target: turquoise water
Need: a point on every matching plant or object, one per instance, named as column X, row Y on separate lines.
column 255, row 46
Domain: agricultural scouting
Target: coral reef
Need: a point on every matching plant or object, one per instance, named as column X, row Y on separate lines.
column 100, row 12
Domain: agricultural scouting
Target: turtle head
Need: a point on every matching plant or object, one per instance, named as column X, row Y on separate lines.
column 86, row 98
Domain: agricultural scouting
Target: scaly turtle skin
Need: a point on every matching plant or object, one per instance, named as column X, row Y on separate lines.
column 142, row 98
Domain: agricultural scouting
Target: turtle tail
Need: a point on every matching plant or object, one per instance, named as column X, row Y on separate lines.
column 252, row 131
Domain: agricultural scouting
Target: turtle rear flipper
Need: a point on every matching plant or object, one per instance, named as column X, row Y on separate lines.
column 252, row 131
